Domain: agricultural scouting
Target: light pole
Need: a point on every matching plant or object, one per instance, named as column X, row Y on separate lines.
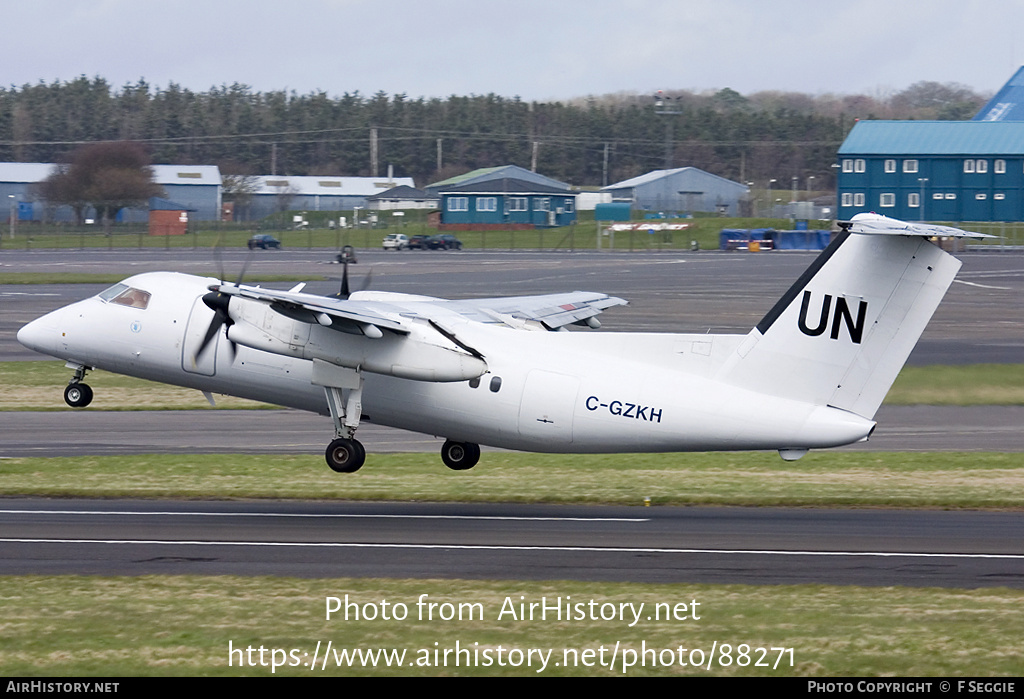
column 14, row 213
column 795, row 180
column 923, row 181
column 771, row 201
column 665, row 107
column 810, row 181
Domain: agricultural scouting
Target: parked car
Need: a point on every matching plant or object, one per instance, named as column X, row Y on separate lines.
column 395, row 241
column 444, row 241
column 264, row 241
column 418, row 242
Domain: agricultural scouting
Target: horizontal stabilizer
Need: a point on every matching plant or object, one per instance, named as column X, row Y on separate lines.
column 876, row 224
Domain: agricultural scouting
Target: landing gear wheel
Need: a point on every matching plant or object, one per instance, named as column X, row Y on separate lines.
column 345, row 455
column 460, row 456
column 78, row 395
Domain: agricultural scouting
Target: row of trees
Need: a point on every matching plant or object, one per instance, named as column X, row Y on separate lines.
column 587, row 141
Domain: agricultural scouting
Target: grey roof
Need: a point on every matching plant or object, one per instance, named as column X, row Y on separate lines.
column 655, row 175
column 1007, row 104
column 162, row 174
column 311, row 185
column 25, row 172
column 495, row 173
column 935, row 138
column 506, row 185
column 402, row 191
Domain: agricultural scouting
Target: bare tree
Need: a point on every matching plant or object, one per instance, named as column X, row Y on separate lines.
column 107, row 176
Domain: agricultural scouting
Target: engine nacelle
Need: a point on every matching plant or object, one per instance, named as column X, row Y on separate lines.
column 422, row 355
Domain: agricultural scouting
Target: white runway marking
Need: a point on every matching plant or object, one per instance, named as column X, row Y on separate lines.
column 983, row 286
column 486, row 547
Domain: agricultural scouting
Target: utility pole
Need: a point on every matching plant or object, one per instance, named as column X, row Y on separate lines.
column 604, row 169
column 273, row 158
column 373, row 151
column 439, row 155
column 533, row 158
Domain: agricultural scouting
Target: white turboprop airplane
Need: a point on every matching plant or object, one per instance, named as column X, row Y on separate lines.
column 811, row 374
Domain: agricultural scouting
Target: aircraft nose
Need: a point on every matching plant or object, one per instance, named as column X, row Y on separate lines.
column 41, row 334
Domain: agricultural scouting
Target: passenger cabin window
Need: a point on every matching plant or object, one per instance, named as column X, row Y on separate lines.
column 124, row 295
column 495, row 384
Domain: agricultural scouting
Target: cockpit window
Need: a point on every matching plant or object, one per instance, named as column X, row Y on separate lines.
column 124, row 295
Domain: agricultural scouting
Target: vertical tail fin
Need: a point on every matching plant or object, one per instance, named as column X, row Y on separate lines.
column 843, row 331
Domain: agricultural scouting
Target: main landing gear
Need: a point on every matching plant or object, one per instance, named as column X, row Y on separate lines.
column 345, row 454
column 78, row 394
column 460, row 456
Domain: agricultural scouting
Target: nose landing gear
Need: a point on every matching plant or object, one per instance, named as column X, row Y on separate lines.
column 78, row 394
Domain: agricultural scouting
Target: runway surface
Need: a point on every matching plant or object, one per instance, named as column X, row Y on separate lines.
column 94, row 432
column 523, row 542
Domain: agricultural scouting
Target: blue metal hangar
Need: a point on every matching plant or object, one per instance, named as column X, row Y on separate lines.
column 683, row 189
column 933, row 170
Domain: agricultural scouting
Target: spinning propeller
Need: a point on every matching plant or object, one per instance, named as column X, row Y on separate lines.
column 217, row 301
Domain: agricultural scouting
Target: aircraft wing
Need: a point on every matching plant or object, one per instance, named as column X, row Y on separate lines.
column 322, row 308
column 395, row 312
column 552, row 310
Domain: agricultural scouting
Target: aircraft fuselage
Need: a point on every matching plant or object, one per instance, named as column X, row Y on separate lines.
column 542, row 391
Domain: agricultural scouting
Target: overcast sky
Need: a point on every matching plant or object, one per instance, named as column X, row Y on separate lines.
column 534, row 49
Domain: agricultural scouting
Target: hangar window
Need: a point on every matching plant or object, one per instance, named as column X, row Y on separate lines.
column 890, row 165
column 999, row 167
column 495, row 384
column 999, row 196
column 519, row 204
column 847, row 165
column 458, row 203
column 937, row 195
column 847, row 199
column 569, row 206
column 858, row 199
column 910, row 166
column 487, row 204
column 859, row 165
column 887, row 199
column 913, row 200
column 542, row 204
column 981, row 196
column 981, row 166
column 968, row 165
column 951, row 195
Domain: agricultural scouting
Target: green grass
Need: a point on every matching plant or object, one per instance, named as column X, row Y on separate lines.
column 821, row 479
column 966, row 384
column 582, row 236
column 167, row 626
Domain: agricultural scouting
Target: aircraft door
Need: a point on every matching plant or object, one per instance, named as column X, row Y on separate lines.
column 198, row 323
column 546, row 410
